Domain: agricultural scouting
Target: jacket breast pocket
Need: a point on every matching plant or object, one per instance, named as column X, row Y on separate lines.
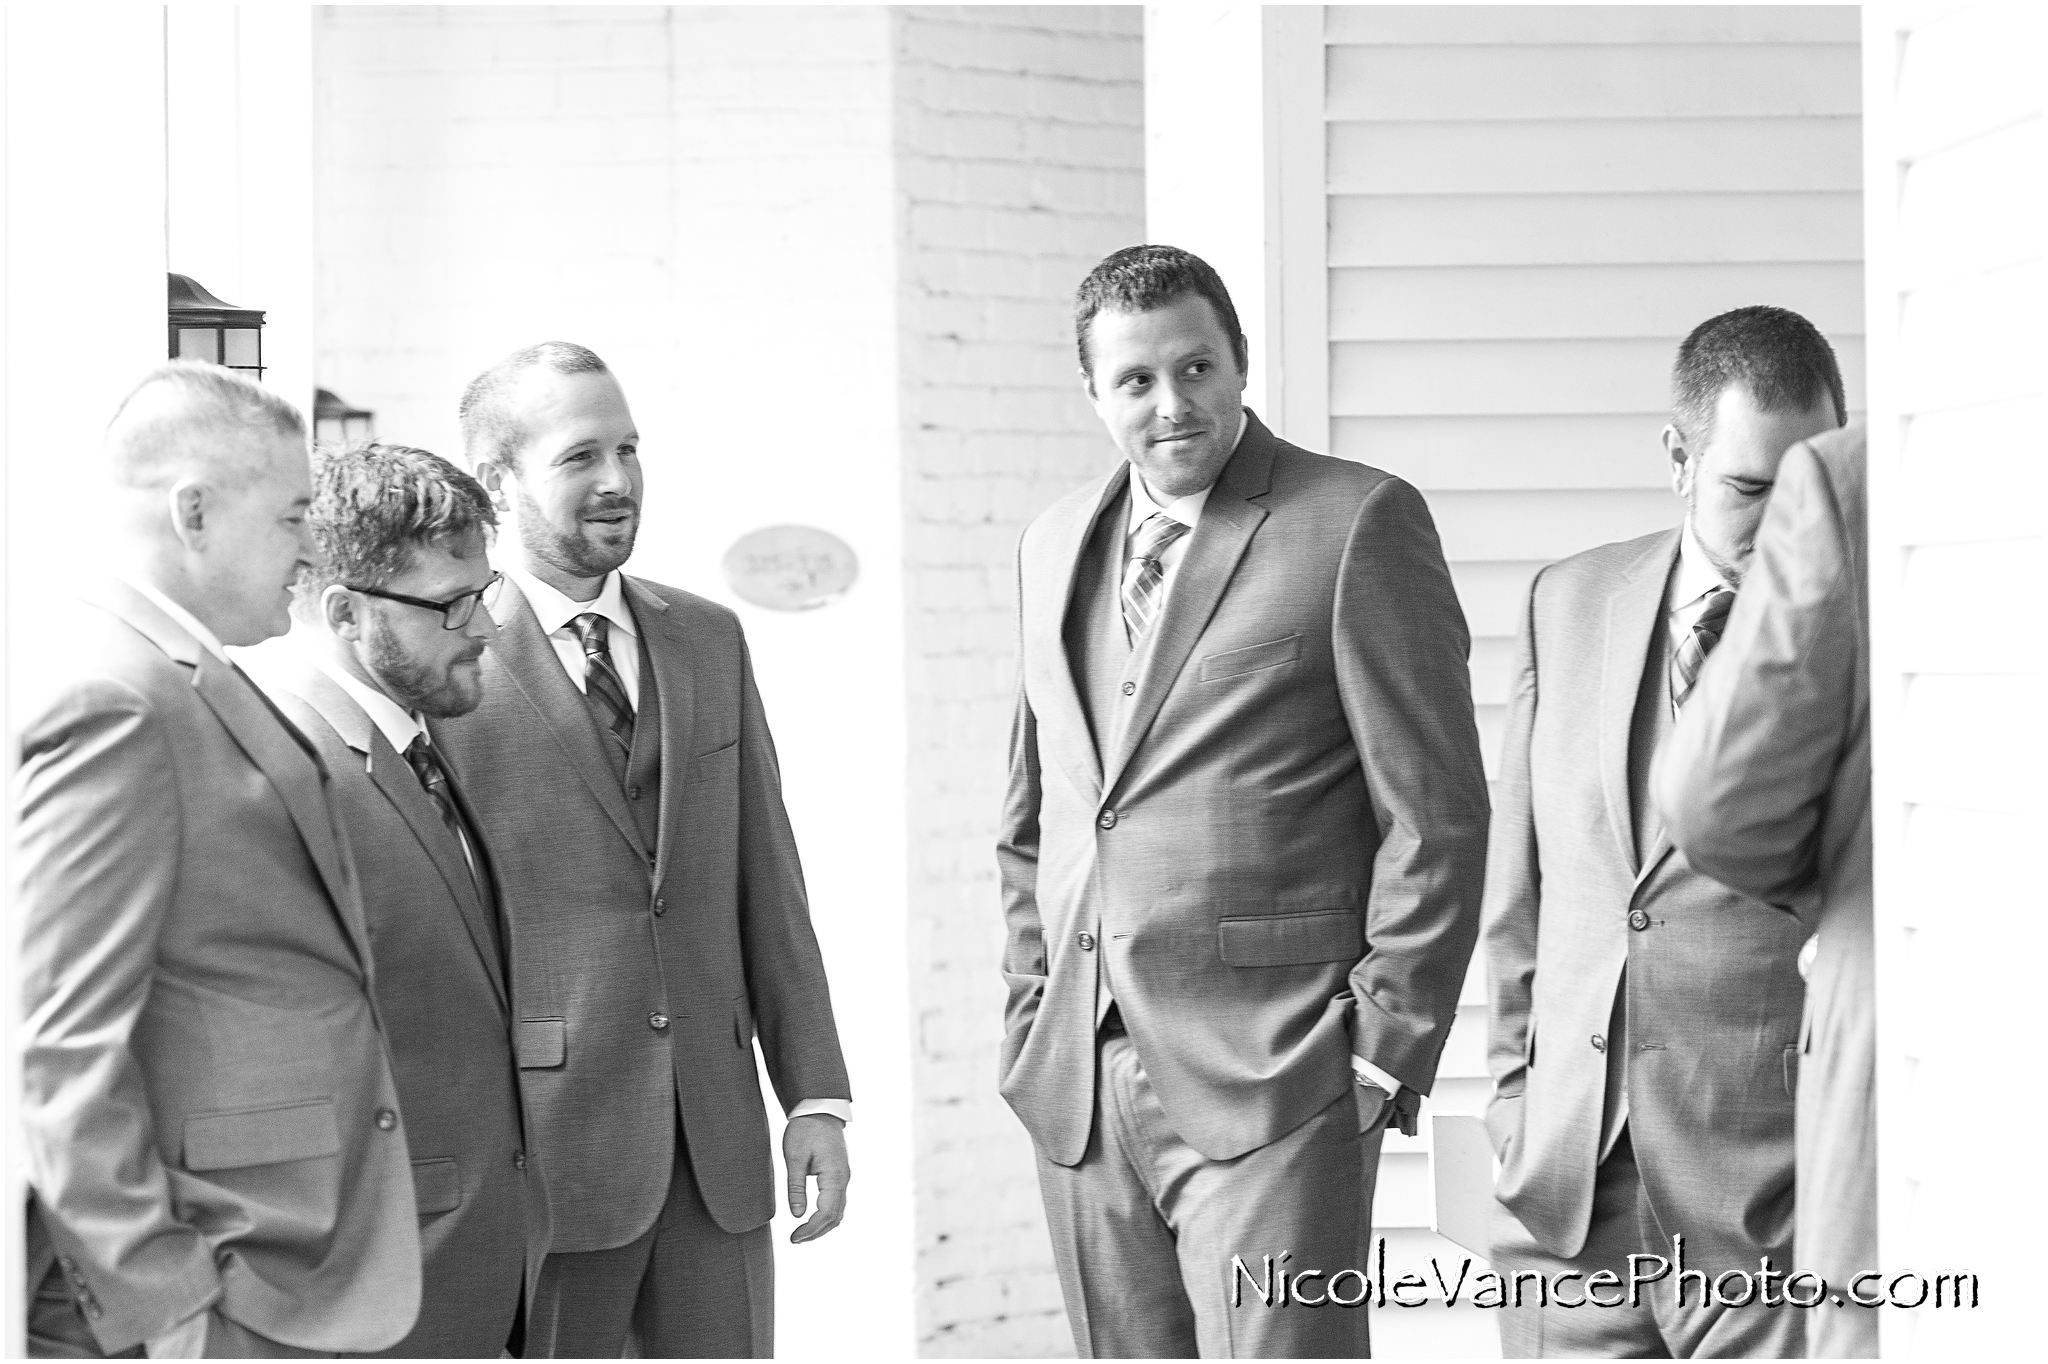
column 1254, row 658
column 272, row 1135
column 1290, row 939
column 542, row 1043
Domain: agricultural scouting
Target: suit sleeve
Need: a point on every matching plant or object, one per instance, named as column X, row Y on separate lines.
column 1514, row 893
column 785, row 971
column 1743, row 781
column 1024, row 965
column 1401, row 646
column 97, row 838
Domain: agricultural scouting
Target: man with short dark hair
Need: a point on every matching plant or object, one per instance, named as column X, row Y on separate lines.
column 1645, row 1019
column 387, row 633
column 622, row 769
column 1242, row 845
column 214, row 1146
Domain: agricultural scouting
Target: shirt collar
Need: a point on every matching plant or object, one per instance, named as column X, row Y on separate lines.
column 1186, row 510
column 1696, row 575
column 400, row 726
column 555, row 611
column 208, row 640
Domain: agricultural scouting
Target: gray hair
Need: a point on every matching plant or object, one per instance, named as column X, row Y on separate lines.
column 188, row 417
column 489, row 428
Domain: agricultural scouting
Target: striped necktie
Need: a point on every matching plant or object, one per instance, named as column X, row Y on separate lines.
column 1692, row 654
column 1144, row 575
column 601, row 680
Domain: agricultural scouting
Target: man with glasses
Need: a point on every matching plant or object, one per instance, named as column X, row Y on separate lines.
column 387, row 632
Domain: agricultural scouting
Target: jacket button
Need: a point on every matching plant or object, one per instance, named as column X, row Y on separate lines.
column 1638, row 920
column 386, row 1120
column 1599, row 1042
column 93, row 1310
column 1129, row 688
column 660, row 908
column 657, row 1021
column 519, row 1160
column 1087, row 941
column 632, row 793
column 1107, row 819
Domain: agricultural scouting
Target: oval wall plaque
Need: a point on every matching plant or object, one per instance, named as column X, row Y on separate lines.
column 790, row 568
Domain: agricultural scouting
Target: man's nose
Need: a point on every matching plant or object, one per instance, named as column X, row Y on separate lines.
column 613, row 477
column 1169, row 402
column 481, row 626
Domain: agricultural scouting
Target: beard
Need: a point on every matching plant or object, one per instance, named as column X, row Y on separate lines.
column 436, row 692
column 572, row 551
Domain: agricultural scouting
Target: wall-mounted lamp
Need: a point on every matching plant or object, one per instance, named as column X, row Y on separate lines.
column 337, row 423
column 204, row 328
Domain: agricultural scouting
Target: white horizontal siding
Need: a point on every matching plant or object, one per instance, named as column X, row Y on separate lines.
column 1528, row 208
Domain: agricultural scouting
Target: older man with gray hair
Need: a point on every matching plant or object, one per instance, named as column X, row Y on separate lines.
column 214, row 1150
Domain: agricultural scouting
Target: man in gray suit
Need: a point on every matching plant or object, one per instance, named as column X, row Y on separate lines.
column 1242, row 845
column 1765, row 785
column 1645, row 1018
column 213, row 1140
column 388, row 631
column 623, row 772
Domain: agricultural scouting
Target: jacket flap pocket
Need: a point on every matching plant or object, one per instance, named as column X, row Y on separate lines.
column 437, row 1185
column 1291, row 939
column 261, row 1136
column 742, row 1022
column 542, row 1042
column 1268, row 655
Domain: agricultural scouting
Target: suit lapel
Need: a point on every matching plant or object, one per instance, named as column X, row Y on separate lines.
column 1229, row 520
column 669, row 684
column 395, row 780
column 531, row 664
column 1065, row 728
column 1634, row 612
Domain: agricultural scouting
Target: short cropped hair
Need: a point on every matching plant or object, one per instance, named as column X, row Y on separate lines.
column 374, row 505
column 1138, row 279
column 489, row 430
column 188, row 417
column 1780, row 357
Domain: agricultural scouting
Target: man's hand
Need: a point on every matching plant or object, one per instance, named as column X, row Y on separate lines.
column 814, row 1146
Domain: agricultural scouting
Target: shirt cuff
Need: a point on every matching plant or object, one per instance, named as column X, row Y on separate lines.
column 1373, row 1075
column 841, row 1109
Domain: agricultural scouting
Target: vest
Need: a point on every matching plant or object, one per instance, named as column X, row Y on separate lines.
column 639, row 772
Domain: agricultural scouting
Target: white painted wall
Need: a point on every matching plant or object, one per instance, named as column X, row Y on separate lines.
column 1958, row 221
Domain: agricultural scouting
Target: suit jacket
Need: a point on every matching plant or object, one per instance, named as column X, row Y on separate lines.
column 707, row 930
column 1766, row 785
column 442, row 993
column 1275, row 862
column 208, row 1098
column 1712, row 986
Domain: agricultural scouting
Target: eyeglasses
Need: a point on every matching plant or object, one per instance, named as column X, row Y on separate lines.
column 456, row 612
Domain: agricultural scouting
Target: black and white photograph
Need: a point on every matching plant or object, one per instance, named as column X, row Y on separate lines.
column 1023, row 681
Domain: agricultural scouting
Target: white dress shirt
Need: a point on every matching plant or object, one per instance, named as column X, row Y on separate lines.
column 554, row 612
column 1685, row 599
column 400, row 725
column 207, row 638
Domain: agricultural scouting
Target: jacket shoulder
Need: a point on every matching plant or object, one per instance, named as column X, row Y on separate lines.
column 692, row 611
column 1602, row 563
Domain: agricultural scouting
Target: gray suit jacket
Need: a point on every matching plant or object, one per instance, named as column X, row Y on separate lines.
column 1713, row 990
column 441, row 990
column 1766, row 785
column 203, row 1062
column 709, row 928
column 1278, row 863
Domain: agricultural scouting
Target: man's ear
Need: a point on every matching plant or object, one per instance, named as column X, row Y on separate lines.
column 1681, row 460
column 492, row 475
column 340, row 613
column 189, row 504
column 1087, row 382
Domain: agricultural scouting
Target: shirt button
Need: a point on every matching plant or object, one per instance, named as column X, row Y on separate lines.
column 1599, row 1042
column 1129, row 687
column 660, row 908
column 519, row 1160
column 657, row 1021
column 1107, row 819
column 1087, row 941
column 1638, row 920
column 93, row 1310
column 386, row 1120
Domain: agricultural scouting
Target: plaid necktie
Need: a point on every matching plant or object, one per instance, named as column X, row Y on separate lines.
column 433, row 775
column 601, row 680
column 1143, row 575
column 1692, row 654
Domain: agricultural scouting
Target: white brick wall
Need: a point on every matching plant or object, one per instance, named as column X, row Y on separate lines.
column 1020, row 150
